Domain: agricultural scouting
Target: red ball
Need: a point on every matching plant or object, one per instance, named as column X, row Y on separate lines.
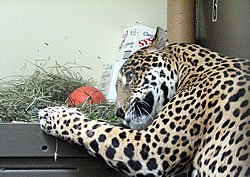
column 79, row 96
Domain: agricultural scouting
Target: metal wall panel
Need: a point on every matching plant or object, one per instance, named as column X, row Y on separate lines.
column 230, row 34
column 25, row 151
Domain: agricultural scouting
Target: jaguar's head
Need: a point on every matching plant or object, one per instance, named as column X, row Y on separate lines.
column 145, row 83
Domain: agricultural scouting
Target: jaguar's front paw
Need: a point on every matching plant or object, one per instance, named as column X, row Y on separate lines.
column 47, row 118
column 57, row 121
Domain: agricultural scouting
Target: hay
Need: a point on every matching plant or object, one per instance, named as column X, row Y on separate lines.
column 21, row 97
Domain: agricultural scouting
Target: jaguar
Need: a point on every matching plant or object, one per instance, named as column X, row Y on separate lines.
column 181, row 104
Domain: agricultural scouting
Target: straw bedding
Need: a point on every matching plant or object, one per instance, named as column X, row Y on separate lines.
column 22, row 96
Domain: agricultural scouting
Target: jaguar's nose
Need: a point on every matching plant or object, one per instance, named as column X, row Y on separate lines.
column 120, row 113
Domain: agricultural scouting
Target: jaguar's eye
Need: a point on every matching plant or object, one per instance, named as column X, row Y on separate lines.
column 119, row 82
column 129, row 77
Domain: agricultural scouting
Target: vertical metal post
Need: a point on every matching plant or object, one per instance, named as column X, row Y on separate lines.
column 181, row 21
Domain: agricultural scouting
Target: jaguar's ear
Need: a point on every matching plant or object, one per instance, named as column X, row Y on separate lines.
column 160, row 39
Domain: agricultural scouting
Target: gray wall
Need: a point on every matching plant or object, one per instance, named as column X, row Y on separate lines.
column 27, row 152
column 230, row 34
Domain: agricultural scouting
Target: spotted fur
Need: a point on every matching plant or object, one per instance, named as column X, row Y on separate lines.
column 196, row 112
